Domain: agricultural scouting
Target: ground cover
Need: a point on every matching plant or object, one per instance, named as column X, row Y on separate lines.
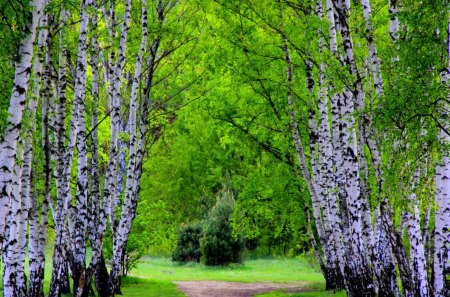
column 160, row 277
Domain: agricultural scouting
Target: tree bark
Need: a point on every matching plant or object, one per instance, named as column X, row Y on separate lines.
column 10, row 172
column 80, row 219
column 130, row 201
column 59, row 283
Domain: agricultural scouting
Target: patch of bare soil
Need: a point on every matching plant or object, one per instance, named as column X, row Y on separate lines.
column 231, row 289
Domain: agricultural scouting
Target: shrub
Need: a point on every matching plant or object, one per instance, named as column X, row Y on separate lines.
column 188, row 244
column 218, row 246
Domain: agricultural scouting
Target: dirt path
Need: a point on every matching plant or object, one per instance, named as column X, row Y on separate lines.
column 231, row 289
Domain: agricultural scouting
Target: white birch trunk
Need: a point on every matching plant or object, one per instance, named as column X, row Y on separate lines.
column 26, row 184
column 417, row 248
column 441, row 257
column 43, row 220
column 328, row 182
column 79, row 250
column 393, row 23
column 94, row 231
column 360, row 278
column 59, row 280
column 8, row 146
column 373, row 54
column 10, row 171
column 35, row 284
column 115, row 79
column 134, row 163
column 10, row 256
column 320, row 184
column 302, row 157
column 38, row 221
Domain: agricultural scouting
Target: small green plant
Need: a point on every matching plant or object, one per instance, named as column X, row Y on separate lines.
column 188, row 244
column 218, row 245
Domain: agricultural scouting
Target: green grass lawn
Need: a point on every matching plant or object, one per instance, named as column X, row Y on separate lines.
column 154, row 277
column 262, row 270
column 162, row 272
column 305, row 294
column 137, row 287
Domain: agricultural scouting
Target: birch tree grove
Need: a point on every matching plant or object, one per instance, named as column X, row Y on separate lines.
column 349, row 179
column 338, row 107
column 79, row 214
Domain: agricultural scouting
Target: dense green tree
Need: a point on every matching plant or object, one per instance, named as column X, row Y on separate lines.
column 188, row 244
column 218, row 245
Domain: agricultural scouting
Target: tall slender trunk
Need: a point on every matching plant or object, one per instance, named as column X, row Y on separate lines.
column 302, row 157
column 94, row 208
column 441, row 266
column 8, row 146
column 115, row 80
column 46, row 98
column 38, row 222
column 27, row 186
column 59, row 281
column 359, row 272
column 80, row 217
column 130, row 200
column 10, row 172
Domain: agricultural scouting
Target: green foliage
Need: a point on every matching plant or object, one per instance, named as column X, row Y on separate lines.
column 218, row 245
column 188, row 244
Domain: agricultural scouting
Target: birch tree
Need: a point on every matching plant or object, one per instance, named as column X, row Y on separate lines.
column 10, row 199
column 442, row 214
column 59, row 280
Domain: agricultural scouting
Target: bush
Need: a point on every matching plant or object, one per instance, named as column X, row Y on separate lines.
column 218, row 246
column 188, row 244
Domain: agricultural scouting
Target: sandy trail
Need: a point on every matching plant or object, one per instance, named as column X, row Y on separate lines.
column 231, row 289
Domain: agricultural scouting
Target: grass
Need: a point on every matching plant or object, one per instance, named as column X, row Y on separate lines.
column 154, row 277
column 162, row 272
column 261, row 270
column 136, row 287
column 304, row 294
